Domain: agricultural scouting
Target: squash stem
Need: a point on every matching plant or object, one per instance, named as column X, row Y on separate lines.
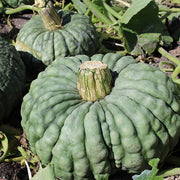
column 94, row 80
column 50, row 17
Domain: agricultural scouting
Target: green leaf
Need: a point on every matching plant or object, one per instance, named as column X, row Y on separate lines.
column 149, row 174
column 46, row 173
column 147, row 42
column 174, row 16
column 97, row 11
column 80, row 6
column 154, row 163
column 1, row 7
column 142, row 18
column 136, row 8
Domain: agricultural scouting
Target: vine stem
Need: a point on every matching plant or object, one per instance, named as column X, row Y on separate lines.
column 166, row 69
column 175, row 73
column 123, row 2
column 172, row 10
column 173, row 59
column 15, row 159
column 168, row 55
column 4, row 144
column 8, row 22
column 169, row 172
column 19, row 9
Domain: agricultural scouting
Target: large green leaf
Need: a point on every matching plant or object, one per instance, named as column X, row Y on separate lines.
column 137, row 7
column 140, row 19
column 147, row 42
column 46, row 173
column 80, row 6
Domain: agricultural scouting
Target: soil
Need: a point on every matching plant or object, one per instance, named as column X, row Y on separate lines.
column 9, row 27
column 12, row 171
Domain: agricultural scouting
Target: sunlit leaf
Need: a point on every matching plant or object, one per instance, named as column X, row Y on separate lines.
column 142, row 18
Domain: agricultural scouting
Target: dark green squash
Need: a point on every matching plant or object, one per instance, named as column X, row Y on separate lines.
column 12, row 78
column 50, row 35
column 95, row 134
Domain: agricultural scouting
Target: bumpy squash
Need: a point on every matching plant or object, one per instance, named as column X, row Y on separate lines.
column 50, row 35
column 12, row 76
column 139, row 119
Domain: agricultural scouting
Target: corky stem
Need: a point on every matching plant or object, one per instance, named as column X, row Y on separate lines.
column 94, row 80
column 50, row 17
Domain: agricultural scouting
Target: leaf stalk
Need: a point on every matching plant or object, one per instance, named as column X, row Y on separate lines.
column 174, row 60
column 172, row 10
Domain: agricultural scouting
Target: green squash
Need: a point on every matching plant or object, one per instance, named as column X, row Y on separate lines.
column 16, row 3
column 121, row 129
column 45, row 40
column 12, row 76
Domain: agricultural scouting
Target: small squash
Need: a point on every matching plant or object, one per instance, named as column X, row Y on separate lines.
column 12, row 78
column 92, row 116
column 49, row 35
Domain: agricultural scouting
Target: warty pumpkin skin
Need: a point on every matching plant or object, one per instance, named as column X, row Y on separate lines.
column 78, row 36
column 12, row 77
column 137, row 121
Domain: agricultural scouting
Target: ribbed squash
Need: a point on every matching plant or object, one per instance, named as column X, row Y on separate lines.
column 49, row 35
column 12, row 76
column 92, row 116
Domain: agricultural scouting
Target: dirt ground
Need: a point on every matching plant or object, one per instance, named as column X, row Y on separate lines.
column 9, row 27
